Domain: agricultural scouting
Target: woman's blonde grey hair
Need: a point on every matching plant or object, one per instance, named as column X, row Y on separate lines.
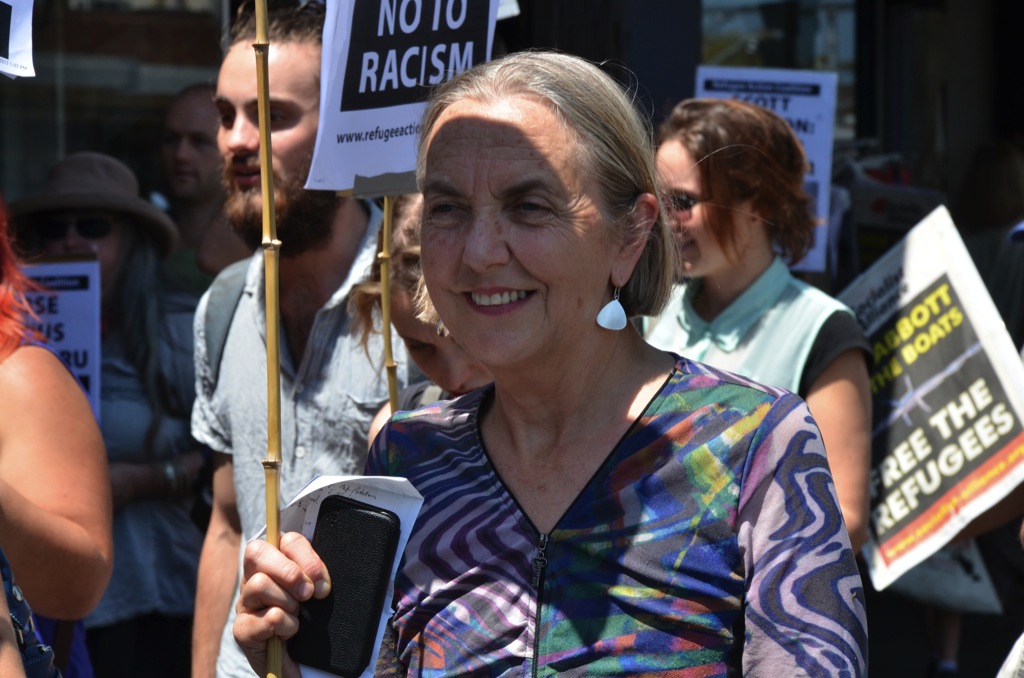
column 366, row 297
column 614, row 143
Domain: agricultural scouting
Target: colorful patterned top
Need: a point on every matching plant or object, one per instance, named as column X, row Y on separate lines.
column 709, row 542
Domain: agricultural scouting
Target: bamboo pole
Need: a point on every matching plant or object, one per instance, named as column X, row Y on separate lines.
column 385, row 303
column 271, row 251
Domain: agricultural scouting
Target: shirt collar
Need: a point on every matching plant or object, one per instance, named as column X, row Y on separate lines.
column 732, row 324
column 365, row 255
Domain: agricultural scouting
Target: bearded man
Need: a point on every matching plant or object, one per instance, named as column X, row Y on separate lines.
column 330, row 386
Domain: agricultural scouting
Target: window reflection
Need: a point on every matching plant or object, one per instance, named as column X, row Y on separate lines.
column 801, row 34
column 105, row 70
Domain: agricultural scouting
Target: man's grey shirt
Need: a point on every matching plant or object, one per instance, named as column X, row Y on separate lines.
column 327, row 402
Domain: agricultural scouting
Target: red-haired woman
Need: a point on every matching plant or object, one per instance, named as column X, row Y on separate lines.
column 91, row 207
column 55, row 505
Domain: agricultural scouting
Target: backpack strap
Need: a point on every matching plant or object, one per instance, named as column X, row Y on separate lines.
column 225, row 291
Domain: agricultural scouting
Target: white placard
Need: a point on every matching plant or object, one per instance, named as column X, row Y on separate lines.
column 947, row 391
column 68, row 317
column 16, row 38
column 393, row 494
column 380, row 58
column 807, row 100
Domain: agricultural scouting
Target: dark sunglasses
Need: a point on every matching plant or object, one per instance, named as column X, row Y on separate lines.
column 680, row 201
column 94, row 227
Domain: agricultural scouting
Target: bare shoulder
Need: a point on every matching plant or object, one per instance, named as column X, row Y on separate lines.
column 30, row 372
column 37, row 385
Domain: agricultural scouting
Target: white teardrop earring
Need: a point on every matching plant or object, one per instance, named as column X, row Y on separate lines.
column 612, row 315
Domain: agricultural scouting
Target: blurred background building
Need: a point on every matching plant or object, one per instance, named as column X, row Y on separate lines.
column 927, row 80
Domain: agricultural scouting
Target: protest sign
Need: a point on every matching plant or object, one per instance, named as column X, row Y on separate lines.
column 16, row 38
column 947, row 390
column 380, row 57
column 807, row 100
column 952, row 578
column 67, row 310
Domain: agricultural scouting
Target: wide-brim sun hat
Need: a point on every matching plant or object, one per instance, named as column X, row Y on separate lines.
column 95, row 181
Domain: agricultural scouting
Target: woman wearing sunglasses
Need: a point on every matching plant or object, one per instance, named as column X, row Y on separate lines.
column 733, row 176
column 92, row 208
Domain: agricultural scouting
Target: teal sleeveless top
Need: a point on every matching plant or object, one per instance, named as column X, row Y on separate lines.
column 766, row 334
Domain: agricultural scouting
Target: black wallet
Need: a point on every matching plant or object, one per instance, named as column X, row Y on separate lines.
column 357, row 543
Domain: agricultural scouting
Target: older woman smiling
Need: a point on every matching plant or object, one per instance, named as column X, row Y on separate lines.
column 604, row 508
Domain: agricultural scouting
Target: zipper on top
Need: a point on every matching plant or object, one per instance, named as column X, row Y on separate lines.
column 540, row 562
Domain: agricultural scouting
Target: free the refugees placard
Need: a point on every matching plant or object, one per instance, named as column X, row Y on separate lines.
column 807, row 101
column 947, row 389
column 380, row 59
column 67, row 316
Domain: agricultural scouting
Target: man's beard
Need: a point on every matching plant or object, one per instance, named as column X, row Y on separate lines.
column 304, row 218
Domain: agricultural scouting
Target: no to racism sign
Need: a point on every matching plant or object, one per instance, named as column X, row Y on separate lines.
column 380, row 59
